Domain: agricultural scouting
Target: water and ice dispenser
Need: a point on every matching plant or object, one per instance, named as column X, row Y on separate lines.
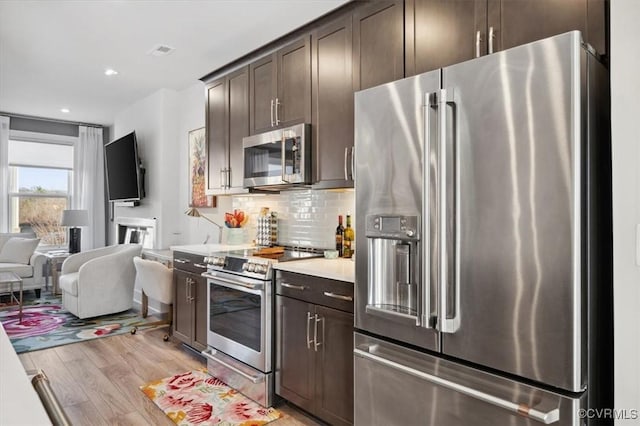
column 393, row 257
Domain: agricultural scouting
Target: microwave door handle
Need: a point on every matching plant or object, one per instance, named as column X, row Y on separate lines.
column 346, row 156
column 353, row 163
column 284, row 157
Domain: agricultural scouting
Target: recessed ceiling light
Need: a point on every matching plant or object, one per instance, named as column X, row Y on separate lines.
column 110, row 72
column 65, row 110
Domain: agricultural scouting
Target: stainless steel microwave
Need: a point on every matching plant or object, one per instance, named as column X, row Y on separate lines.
column 278, row 158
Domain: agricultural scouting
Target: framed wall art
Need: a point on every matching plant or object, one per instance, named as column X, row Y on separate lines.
column 198, row 170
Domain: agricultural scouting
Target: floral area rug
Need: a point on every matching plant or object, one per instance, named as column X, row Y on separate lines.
column 196, row 398
column 45, row 323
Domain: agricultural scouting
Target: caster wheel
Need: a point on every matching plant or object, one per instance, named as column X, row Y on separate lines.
column 134, row 330
column 165, row 338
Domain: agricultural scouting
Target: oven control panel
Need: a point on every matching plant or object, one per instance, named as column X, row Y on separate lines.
column 257, row 268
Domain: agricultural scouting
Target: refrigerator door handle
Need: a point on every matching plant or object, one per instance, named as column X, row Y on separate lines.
column 521, row 409
column 446, row 324
column 424, row 313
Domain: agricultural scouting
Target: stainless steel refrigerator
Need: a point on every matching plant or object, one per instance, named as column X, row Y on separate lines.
column 483, row 242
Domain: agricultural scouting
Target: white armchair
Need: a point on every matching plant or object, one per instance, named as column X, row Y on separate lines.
column 100, row 281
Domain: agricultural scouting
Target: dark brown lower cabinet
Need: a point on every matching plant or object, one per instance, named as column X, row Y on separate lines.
column 315, row 350
column 189, row 304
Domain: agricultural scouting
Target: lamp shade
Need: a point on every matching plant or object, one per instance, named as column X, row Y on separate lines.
column 193, row 212
column 75, row 218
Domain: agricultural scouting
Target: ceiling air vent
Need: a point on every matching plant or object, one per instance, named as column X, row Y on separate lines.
column 160, row 50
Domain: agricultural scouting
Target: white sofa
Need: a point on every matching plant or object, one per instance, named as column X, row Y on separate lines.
column 99, row 281
column 31, row 273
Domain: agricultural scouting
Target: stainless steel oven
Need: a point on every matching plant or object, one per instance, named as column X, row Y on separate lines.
column 278, row 158
column 240, row 325
column 240, row 318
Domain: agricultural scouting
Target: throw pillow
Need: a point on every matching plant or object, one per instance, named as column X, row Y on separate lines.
column 18, row 250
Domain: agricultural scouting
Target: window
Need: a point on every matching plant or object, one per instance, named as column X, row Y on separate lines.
column 40, row 182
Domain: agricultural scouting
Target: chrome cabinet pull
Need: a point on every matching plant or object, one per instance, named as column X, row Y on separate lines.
column 309, row 341
column 222, row 178
column 478, row 40
column 271, row 112
column 491, row 37
column 315, row 332
column 200, row 265
column 338, row 296
column 522, row 409
column 276, row 108
column 180, row 261
column 294, row 287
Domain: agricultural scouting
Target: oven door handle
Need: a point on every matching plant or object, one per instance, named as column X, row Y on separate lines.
column 237, row 285
column 208, row 353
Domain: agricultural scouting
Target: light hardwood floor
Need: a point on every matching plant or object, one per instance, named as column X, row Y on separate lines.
column 97, row 382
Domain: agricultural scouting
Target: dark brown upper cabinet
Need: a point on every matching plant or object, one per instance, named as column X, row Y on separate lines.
column 280, row 87
column 332, row 101
column 514, row 22
column 444, row 32
column 227, row 123
column 216, row 130
column 378, row 43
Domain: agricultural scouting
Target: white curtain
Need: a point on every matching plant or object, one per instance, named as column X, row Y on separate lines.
column 4, row 173
column 88, row 184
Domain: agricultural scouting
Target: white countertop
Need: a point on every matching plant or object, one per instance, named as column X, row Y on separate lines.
column 335, row 269
column 207, row 249
column 19, row 402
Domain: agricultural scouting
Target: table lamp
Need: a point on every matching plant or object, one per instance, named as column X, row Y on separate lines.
column 193, row 212
column 73, row 219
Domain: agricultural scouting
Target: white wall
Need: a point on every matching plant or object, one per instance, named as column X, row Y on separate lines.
column 154, row 121
column 191, row 115
column 625, row 127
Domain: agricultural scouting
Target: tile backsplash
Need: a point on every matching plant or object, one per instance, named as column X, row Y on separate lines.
column 306, row 218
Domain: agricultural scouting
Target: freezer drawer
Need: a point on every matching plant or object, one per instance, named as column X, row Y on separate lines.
column 400, row 386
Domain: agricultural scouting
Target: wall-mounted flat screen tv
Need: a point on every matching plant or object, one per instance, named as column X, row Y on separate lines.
column 125, row 175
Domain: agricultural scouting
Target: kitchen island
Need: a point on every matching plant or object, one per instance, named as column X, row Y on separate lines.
column 19, row 402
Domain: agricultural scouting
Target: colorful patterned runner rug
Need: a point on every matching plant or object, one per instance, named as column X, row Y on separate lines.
column 45, row 324
column 196, row 398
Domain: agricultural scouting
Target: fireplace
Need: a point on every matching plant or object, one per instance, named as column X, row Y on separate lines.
column 134, row 230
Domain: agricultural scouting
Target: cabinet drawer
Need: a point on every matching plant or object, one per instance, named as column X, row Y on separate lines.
column 317, row 290
column 189, row 262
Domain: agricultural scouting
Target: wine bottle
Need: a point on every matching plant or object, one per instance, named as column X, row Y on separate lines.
column 339, row 235
column 347, row 239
